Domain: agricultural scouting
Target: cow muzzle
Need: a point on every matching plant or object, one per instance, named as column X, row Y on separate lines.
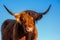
column 29, row 29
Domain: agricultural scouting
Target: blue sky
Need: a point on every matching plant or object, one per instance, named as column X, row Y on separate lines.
column 48, row 27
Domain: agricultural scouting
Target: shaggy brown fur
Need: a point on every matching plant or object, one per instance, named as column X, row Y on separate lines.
column 13, row 30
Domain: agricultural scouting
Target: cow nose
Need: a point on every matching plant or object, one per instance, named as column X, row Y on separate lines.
column 29, row 29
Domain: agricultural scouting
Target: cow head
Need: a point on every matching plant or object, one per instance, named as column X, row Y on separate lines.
column 27, row 18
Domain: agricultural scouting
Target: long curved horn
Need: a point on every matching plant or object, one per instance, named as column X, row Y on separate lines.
column 46, row 10
column 8, row 10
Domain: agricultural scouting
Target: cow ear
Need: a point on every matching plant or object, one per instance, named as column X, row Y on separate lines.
column 37, row 17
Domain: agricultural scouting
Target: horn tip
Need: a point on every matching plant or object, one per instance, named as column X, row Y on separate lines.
column 50, row 5
column 3, row 5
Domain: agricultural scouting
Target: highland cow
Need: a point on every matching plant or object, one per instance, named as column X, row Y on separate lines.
column 23, row 28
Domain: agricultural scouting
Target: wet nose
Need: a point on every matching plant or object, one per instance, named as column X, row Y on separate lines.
column 29, row 28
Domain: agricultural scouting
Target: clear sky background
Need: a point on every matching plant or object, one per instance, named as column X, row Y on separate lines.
column 48, row 27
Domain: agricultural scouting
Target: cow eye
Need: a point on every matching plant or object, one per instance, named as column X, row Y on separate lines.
column 22, row 20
